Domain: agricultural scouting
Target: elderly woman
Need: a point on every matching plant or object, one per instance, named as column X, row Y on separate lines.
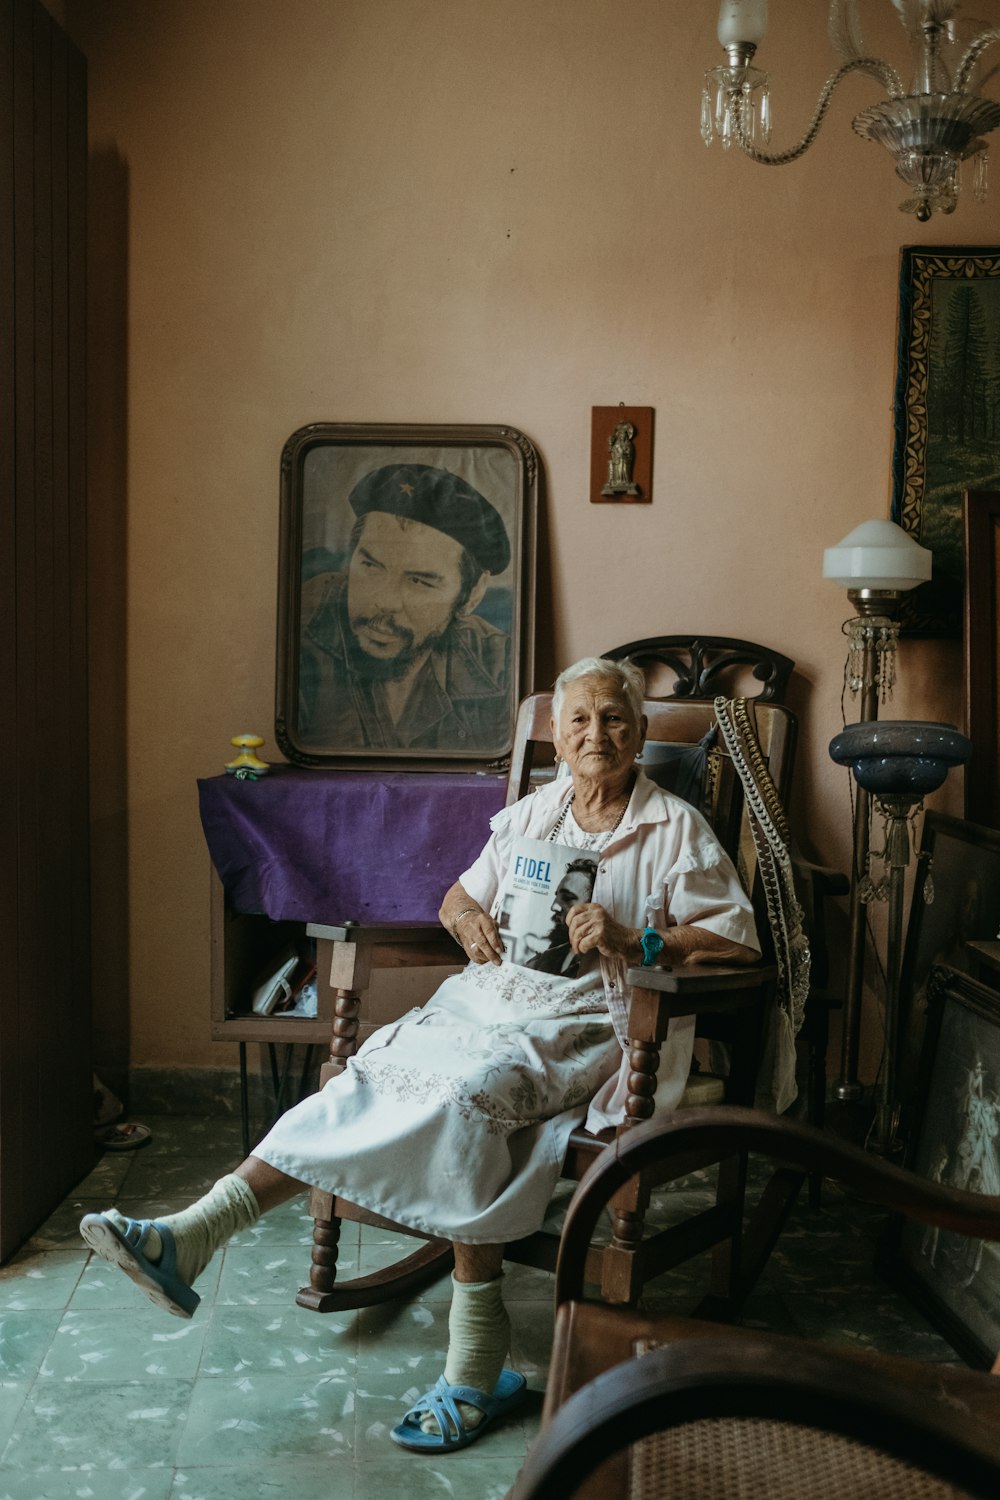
column 455, row 1119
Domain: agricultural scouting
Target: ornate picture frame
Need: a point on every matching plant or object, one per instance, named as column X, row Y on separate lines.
column 953, row 1280
column 406, row 594
column 946, row 414
column 956, row 900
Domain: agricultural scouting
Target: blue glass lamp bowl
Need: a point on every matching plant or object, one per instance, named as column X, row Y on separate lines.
column 900, row 757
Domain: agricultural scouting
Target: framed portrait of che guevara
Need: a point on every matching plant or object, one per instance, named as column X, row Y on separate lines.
column 406, row 594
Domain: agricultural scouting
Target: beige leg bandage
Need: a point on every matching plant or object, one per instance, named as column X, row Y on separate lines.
column 478, row 1341
column 198, row 1231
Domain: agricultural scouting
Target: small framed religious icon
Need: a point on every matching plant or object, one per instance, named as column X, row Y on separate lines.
column 621, row 455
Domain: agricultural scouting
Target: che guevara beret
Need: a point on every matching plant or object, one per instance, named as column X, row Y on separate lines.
column 437, row 498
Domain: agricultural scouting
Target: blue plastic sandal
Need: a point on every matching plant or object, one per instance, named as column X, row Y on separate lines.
column 123, row 1248
column 441, row 1403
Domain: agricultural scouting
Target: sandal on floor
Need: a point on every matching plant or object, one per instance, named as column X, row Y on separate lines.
column 124, row 1248
column 107, row 1107
column 123, row 1137
column 440, row 1403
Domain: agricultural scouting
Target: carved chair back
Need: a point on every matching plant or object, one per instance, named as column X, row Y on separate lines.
column 703, row 666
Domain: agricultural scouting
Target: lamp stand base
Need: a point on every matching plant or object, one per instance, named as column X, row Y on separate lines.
column 851, row 1119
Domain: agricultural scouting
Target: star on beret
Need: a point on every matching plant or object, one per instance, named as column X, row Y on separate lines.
column 437, row 497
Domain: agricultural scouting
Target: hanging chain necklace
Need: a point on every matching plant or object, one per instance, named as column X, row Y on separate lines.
column 595, row 841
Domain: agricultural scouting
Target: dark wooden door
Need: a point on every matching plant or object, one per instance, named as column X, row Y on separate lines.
column 46, row 1136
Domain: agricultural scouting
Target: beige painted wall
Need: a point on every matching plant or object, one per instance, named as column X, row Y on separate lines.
column 462, row 211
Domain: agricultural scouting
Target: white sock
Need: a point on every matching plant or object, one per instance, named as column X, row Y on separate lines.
column 478, row 1341
column 198, row 1231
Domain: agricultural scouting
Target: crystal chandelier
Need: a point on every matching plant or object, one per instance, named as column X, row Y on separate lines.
column 930, row 131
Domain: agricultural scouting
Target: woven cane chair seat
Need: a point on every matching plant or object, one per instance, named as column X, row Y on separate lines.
column 726, row 1458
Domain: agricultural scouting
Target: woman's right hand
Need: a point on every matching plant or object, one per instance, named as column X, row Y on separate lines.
column 480, row 937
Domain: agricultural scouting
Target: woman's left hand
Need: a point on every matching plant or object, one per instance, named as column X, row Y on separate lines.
column 590, row 927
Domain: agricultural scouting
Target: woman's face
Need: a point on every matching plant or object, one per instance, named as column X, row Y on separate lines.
column 596, row 733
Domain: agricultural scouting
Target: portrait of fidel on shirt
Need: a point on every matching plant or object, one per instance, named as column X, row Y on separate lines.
column 393, row 653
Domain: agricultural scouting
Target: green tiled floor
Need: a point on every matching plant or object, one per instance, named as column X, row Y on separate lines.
column 103, row 1397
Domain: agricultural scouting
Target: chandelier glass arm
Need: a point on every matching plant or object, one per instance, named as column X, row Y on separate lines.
column 873, row 66
column 973, row 53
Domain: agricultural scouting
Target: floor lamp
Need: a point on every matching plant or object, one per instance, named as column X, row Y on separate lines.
column 897, row 762
column 877, row 563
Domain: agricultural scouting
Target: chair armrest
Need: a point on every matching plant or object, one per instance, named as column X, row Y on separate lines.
column 697, row 989
column 345, row 954
column 701, row 1137
column 387, row 933
column 697, row 979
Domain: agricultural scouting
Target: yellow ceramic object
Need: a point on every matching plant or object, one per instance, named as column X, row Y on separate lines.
column 247, row 766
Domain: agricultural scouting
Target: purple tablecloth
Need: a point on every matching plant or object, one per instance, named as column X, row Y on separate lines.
column 345, row 846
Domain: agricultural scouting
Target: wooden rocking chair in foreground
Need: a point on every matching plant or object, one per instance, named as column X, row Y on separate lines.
column 641, row 1406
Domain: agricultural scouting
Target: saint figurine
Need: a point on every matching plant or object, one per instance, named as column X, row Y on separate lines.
column 620, row 463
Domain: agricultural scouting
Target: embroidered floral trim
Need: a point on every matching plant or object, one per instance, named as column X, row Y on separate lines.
column 519, row 1096
column 577, row 1093
column 531, row 990
column 499, row 1115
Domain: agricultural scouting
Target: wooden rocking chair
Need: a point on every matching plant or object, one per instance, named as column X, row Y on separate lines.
column 730, row 1004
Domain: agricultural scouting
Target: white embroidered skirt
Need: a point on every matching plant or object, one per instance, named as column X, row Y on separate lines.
column 455, row 1119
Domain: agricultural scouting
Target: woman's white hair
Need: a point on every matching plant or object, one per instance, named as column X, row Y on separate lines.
column 627, row 677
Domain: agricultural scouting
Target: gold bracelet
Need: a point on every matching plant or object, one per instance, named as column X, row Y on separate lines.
column 462, row 914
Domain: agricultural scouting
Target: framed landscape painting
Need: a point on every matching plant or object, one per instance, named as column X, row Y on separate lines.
column 946, row 414
column 406, row 594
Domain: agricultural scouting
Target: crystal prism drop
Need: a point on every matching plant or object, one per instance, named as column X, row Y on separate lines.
column 765, row 116
column 706, row 118
column 980, row 175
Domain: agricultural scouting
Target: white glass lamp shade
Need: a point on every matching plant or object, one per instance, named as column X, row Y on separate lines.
column 742, row 21
column 877, row 555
